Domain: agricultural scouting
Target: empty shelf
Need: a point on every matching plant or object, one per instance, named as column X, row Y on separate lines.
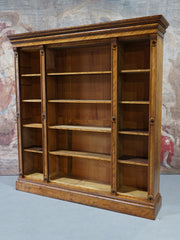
column 35, row 176
column 83, row 184
column 31, row 100
column 81, row 128
column 30, row 75
column 134, row 132
column 134, row 161
column 134, row 102
column 78, row 73
column 78, row 101
column 132, row 191
column 88, row 155
column 135, row 71
column 33, row 125
column 34, row 149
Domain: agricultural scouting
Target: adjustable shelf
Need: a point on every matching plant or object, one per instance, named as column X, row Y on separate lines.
column 135, row 71
column 133, row 161
column 34, row 149
column 134, row 132
column 134, row 102
column 33, row 125
column 78, row 101
column 81, row 128
column 32, row 100
column 78, row 73
column 30, row 75
column 87, row 155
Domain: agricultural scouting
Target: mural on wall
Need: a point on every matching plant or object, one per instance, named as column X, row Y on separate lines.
column 23, row 16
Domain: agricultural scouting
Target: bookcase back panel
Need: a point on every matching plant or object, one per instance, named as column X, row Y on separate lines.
column 32, row 137
column 58, row 166
column 136, row 55
column 79, row 59
column 83, row 87
column 133, row 176
column 33, row 163
column 131, row 145
column 135, row 116
column 80, row 114
column 30, row 88
column 31, row 113
column 29, row 61
column 135, row 87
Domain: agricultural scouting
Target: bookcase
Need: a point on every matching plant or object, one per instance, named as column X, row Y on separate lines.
column 89, row 113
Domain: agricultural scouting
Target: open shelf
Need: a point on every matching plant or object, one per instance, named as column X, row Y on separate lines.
column 34, row 149
column 134, row 102
column 81, row 128
column 133, row 161
column 30, row 75
column 35, row 176
column 78, row 101
column 82, row 184
column 32, row 100
column 134, row 132
column 33, row 125
column 135, row 71
column 78, row 73
column 133, row 192
column 87, row 155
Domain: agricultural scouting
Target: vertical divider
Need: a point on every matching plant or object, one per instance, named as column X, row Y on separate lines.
column 114, row 112
column 152, row 113
column 44, row 113
column 18, row 111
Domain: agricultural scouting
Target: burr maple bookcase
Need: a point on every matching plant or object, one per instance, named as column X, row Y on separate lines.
column 89, row 113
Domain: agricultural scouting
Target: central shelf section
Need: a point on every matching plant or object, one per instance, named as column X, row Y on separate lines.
column 82, row 128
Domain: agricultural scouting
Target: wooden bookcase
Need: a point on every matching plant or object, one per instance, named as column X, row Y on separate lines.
column 89, row 113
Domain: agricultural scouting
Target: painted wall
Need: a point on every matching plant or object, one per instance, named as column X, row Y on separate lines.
column 29, row 15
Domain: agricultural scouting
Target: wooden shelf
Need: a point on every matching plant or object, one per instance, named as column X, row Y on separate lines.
column 35, row 176
column 82, row 184
column 133, row 192
column 81, row 128
column 33, row 125
column 88, row 155
column 31, row 100
column 135, row 71
column 134, row 102
column 134, row 161
column 30, row 75
column 34, row 149
column 78, row 101
column 78, row 73
column 134, row 132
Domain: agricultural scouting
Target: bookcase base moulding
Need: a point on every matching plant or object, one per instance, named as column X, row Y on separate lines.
column 89, row 113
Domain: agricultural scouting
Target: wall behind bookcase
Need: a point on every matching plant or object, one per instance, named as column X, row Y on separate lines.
column 25, row 15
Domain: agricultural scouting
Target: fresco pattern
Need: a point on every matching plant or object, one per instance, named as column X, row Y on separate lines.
column 25, row 15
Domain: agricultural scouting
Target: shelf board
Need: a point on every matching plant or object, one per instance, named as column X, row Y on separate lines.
column 31, row 100
column 82, row 128
column 34, row 150
column 134, row 161
column 82, row 184
column 30, row 75
column 134, row 102
column 134, row 132
column 88, row 155
column 35, row 176
column 132, row 191
column 33, row 125
column 78, row 73
column 135, row 71
column 78, row 101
